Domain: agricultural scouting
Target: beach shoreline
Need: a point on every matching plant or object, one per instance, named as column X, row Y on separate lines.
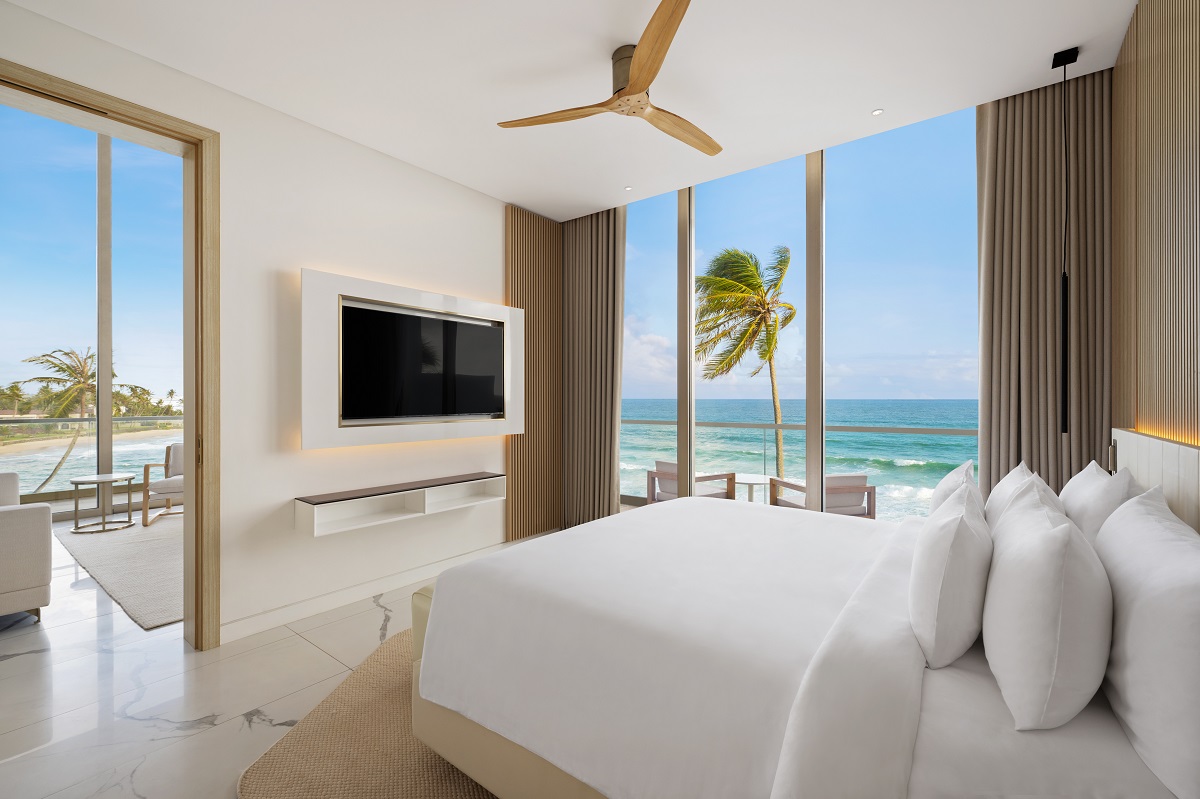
column 89, row 438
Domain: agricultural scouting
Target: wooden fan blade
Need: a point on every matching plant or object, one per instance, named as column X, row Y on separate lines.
column 652, row 48
column 681, row 129
column 565, row 115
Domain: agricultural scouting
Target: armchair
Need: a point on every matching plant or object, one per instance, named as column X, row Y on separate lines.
column 663, row 484
column 24, row 551
column 845, row 494
column 169, row 488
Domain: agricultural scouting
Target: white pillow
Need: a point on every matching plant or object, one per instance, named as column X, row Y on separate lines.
column 1000, row 495
column 949, row 577
column 1047, row 616
column 963, row 475
column 1153, row 561
column 1091, row 496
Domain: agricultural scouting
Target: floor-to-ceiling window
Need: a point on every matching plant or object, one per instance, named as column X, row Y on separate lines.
column 91, row 261
column 750, row 325
column 896, row 405
column 648, row 372
column 901, row 308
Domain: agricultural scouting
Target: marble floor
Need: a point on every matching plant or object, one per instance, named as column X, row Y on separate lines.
column 91, row 705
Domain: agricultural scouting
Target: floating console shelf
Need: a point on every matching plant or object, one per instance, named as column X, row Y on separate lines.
column 342, row 511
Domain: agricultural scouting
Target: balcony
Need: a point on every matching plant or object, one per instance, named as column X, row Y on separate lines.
column 903, row 462
column 33, row 447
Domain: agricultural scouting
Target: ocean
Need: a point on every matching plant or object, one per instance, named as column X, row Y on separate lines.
column 905, row 468
column 131, row 452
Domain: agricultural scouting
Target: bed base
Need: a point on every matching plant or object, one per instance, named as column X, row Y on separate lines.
column 504, row 768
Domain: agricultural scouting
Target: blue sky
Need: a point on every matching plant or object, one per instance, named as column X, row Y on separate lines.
column 901, row 302
column 48, row 251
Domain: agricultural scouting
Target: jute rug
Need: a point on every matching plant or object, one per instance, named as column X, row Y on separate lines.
column 358, row 743
column 141, row 568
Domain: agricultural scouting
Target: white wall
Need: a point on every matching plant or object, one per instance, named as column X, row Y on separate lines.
column 292, row 196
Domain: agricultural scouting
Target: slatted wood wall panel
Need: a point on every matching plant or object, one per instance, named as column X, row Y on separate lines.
column 533, row 281
column 1124, row 251
column 1158, row 106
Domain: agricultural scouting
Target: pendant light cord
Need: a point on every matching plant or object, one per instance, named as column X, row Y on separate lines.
column 1064, row 406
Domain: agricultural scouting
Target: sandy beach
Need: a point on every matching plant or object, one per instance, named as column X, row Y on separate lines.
column 87, row 439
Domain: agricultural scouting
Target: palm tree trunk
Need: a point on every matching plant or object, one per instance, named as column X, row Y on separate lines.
column 70, row 447
column 778, row 419
column 61, row 461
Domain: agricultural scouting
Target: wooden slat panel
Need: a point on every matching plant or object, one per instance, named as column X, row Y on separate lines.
column 533, row 281
column 1156, row 225
column 1124, row 249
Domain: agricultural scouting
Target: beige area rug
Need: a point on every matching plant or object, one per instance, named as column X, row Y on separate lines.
column 141, row 568
column 358, row 743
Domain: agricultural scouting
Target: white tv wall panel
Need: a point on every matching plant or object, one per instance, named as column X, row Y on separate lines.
column 320, row 346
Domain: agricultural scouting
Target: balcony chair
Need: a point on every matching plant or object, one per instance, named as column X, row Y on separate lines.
column 169, row 488
column 24, row 551
column 663, row 484
column 845, row 494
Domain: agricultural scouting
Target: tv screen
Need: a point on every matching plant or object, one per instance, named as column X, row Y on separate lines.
column 403, row 364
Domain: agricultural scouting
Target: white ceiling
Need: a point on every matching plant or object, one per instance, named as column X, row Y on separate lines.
column 427, row 81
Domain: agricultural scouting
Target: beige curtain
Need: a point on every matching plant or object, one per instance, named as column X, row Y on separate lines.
column 1021, row 203
column 593, row 311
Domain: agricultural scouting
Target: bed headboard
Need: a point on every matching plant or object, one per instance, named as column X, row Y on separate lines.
column 1156, row 461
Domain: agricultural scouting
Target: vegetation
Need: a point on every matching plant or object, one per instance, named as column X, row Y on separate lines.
column 740, row 309
column 69, row 388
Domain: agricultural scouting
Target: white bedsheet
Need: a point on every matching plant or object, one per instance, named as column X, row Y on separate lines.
column 966, row 746
column 678, row 638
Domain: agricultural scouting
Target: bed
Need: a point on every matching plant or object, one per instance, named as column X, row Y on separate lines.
column 701, row 648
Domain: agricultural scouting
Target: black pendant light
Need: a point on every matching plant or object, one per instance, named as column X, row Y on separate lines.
column 1064, row 58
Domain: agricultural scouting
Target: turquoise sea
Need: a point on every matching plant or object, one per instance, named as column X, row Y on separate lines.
column 904, row 467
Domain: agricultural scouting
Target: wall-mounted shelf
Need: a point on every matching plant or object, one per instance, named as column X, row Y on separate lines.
column 342, row 511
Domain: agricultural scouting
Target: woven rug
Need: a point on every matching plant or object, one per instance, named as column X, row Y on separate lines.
column 141, row 568
column 358, row 743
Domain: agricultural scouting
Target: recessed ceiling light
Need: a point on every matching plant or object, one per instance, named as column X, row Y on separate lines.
column 629, row 188
column 877, row 112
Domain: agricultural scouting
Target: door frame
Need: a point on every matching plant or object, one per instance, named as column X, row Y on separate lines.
column 202, row 433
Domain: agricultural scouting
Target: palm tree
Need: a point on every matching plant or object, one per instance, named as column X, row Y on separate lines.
column 739, row 308
column 69, row 386
column 14, row 393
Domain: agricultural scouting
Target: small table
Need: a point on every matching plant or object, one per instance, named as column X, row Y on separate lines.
column 750, row 481
column 101, row 480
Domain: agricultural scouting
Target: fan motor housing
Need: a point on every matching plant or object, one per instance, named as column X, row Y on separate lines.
column 622, row 57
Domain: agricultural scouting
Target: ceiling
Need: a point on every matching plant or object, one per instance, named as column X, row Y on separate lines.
column 426, row 82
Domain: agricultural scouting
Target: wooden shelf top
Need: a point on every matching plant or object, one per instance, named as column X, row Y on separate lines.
column 396, row 488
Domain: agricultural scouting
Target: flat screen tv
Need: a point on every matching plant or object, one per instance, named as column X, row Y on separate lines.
column 402, row 364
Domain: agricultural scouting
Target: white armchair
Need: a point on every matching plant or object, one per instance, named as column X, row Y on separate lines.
column 169, row 488
column 663, row 483
column 845, row 495
column 24, row 551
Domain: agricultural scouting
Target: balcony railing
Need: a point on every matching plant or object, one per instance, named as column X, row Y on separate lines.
column 33, row 446
column 904, row 462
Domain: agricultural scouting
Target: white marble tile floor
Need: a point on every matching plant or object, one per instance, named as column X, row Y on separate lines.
column 91, row 705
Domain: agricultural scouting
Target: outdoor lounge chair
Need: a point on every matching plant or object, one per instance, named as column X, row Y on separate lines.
column 845, row 494
column 169, row 488
column 663, row 483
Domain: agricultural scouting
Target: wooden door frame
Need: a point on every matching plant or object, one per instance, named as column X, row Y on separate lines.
column 202, row 329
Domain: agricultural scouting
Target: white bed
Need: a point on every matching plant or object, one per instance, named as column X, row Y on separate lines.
column 707, row 648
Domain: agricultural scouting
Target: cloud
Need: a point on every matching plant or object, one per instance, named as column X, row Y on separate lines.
column 647, row 361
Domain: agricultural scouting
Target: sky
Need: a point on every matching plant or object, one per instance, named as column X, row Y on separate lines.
column 48, row 251
column 901, row 298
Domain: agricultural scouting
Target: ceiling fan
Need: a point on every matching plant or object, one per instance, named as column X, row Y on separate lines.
column 634, row 68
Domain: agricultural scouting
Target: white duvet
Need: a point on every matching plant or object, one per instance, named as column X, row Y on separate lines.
column 654, row 654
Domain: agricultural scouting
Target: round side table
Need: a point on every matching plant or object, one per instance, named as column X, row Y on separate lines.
column 101, row 480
